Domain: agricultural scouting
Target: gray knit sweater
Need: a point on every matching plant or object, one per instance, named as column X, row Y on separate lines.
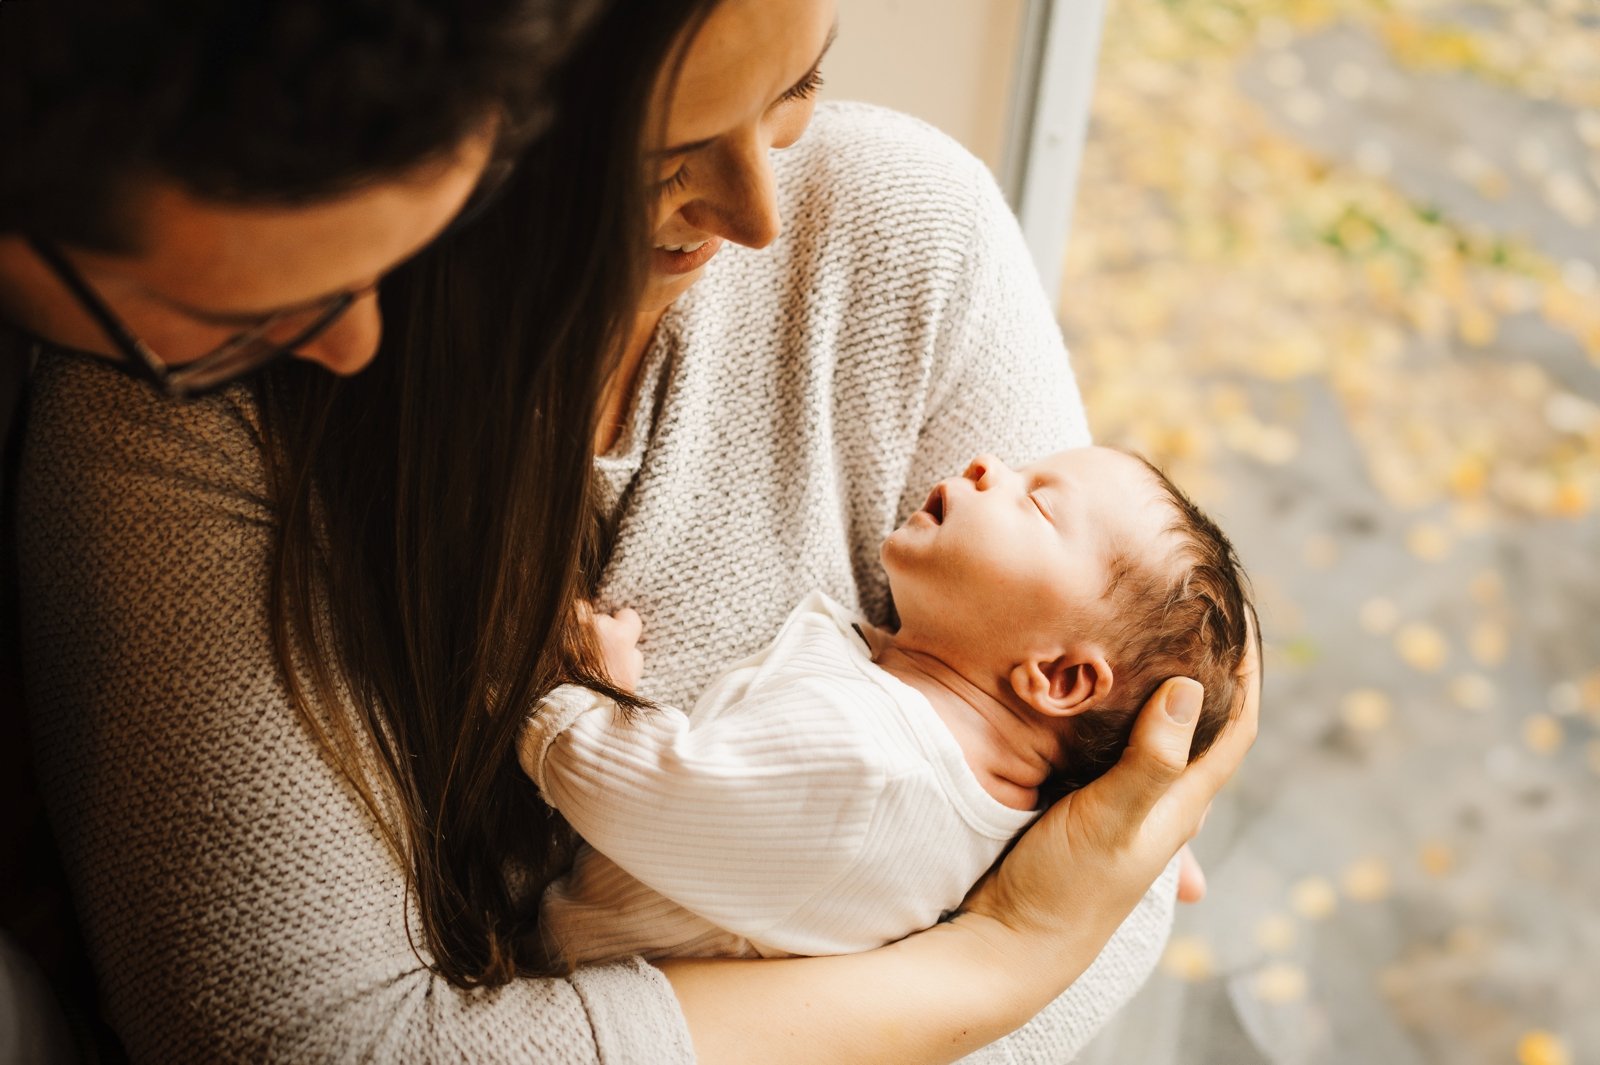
column 797, row 402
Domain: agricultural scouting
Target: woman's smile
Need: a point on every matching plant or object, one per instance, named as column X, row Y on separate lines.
column 684, row 257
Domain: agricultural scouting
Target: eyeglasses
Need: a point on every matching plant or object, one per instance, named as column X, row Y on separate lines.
column 267, row 341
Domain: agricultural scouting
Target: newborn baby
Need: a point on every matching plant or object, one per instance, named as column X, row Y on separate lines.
column 846, row 787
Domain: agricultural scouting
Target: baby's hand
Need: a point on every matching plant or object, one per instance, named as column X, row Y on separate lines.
column 618, row 636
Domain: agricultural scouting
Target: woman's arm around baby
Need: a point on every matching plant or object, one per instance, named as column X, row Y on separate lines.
column 1026, row 933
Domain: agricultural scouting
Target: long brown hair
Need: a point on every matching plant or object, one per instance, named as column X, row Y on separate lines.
column 436, row 524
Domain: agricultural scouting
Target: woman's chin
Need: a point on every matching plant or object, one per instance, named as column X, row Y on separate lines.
column 662, row 290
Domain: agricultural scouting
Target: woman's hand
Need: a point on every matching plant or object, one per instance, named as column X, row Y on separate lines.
column 1094, row 854
column 618, row 637
column 1027, row 931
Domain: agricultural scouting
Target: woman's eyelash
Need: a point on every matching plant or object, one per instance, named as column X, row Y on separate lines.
column 675, row 182
column 806, row 87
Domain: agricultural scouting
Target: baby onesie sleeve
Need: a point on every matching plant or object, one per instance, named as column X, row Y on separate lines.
column 740, row 819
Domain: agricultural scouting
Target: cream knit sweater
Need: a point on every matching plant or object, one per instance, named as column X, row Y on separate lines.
column 238, row 903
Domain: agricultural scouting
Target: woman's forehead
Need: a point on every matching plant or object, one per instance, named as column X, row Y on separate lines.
column 744, row 58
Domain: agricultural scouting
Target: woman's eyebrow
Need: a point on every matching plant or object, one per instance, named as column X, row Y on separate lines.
column 694, row 146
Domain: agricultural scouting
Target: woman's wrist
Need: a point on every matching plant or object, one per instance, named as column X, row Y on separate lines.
column 1028, row 969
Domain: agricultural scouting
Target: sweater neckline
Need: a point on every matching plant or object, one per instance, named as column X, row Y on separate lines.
column 617, row 469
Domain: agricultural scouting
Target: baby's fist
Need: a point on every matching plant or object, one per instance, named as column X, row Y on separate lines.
column 618, row 636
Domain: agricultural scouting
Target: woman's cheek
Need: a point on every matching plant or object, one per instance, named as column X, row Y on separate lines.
column 792, row 125
column 666, row 206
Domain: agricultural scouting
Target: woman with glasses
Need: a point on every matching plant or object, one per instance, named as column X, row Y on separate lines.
column 282, row 637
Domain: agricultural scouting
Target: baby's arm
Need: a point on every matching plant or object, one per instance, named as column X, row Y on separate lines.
column 740, row 819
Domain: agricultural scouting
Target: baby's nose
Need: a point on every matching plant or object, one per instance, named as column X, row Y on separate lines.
column 984, row 470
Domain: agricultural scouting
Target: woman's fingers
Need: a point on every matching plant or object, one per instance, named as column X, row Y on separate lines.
column 1098, row 850
column 1247, row 696
column 1191, row 878
column 1155, row 757
column 1103, row 845
column 1201, row 782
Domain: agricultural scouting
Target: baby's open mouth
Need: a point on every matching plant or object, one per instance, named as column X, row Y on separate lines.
column 935, row 506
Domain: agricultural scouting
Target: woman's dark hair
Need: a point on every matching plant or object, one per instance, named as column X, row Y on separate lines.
column 275, row 101
column 436, row 518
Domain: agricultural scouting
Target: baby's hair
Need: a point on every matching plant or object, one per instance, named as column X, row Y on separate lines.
column 1189, row 615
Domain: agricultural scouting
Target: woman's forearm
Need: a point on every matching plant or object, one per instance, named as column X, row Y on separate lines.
column 930, row 998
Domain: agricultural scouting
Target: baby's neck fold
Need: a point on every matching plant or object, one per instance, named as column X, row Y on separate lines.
column 1011, row 749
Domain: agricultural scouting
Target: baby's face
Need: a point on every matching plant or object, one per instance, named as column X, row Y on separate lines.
column 1013, row 554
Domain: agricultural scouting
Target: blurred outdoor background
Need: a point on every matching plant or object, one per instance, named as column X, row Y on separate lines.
column 1336, row 264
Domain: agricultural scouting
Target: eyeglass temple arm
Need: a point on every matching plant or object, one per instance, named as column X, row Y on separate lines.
column 132, row 347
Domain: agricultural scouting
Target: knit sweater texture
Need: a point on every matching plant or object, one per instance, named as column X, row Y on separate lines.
column 795, row 405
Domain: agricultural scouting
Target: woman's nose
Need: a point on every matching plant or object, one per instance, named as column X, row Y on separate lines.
column 746, row 205
column 349, row 344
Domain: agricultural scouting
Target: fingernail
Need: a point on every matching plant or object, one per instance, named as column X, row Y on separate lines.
column 1183, row 701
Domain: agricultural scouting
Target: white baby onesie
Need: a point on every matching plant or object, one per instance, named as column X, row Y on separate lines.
column 810, row 803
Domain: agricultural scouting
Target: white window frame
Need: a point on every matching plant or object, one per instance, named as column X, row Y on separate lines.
column 1051, row 92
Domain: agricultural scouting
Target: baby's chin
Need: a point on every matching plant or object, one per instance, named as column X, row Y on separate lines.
column 894, row 551
column 909, row 566
column 903, row 541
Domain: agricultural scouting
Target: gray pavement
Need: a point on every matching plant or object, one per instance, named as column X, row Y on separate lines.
column 1408, row 868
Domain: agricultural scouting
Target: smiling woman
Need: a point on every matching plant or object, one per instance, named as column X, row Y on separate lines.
column 747, row 85
column 744, row 86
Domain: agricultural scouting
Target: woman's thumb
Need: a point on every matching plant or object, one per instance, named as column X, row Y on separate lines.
column 1158, row 749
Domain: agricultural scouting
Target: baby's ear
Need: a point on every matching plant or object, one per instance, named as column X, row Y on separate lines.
column 1065, row 685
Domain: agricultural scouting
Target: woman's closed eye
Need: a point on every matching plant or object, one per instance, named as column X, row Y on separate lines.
column 805, row 88
column 678, row 179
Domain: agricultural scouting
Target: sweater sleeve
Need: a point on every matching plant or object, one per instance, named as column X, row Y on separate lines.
column 237, row 900
column 741, row 819
column 1001, row 383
